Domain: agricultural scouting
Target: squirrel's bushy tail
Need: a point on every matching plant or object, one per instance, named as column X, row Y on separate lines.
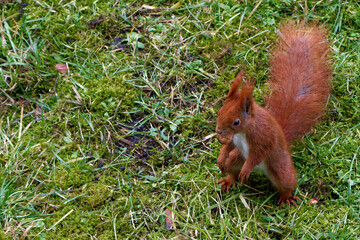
column 300, row 78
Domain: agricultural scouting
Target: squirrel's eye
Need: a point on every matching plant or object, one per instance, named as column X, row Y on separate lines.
column 237, row 122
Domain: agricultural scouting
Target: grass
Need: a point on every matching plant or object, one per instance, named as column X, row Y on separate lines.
column 104, row 150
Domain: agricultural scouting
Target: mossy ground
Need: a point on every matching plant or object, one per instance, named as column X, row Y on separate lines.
column 103, row 151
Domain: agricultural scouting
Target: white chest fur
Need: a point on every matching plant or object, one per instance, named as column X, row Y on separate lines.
column 240, row 142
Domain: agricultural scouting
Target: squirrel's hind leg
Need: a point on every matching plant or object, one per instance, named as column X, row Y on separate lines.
column 283, row 176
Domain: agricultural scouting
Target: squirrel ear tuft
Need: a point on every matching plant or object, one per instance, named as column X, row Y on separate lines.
column 236, row 83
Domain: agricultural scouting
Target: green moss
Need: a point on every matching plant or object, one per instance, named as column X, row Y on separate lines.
column 76, row 224
column 73, row 177
column 97, row 194
column 105, row 95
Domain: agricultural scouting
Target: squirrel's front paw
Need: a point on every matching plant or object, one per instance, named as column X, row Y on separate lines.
column 221, row 162
column 244, row 175
column 227, row 183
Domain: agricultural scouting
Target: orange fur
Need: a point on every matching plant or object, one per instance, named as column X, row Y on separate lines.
column 300, row 82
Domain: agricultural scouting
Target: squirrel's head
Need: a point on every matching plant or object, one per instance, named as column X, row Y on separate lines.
column 237, row 113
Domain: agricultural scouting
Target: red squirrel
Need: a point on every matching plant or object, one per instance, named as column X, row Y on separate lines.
column 257, row 137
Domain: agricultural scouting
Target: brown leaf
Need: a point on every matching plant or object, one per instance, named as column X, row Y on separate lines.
column 61, row 68
column 168, row 219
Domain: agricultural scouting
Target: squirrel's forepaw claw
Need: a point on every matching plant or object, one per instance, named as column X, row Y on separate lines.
column 289, row 199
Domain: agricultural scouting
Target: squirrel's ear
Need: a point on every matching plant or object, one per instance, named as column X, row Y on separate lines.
column 246, row 98
column 247, row 105
column 236, row 83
